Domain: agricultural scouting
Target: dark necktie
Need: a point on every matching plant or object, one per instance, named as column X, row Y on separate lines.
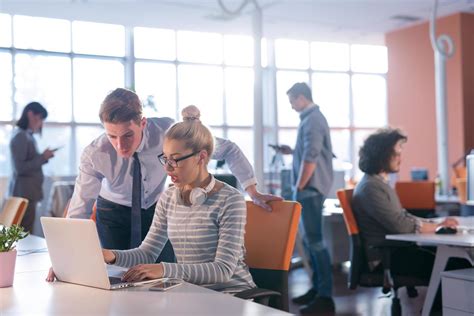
column 136, row 220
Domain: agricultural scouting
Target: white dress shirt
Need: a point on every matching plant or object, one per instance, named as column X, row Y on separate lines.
column 103, row 172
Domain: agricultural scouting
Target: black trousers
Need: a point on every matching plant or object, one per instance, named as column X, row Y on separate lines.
column 113, row 225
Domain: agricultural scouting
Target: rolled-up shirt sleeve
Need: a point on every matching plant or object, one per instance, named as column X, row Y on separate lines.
column 86, row 189
column 235, row 158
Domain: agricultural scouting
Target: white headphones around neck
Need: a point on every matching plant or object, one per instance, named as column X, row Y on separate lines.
column 198, row 196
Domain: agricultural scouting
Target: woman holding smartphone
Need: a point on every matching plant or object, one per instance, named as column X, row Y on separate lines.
column 202, row 217
column 27, row 178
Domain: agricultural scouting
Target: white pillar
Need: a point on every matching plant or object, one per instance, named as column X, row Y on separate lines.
column 258, row 99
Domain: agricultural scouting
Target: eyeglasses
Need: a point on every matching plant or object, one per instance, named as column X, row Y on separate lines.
column 173, row 163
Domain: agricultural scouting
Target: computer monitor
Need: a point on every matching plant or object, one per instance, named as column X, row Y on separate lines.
column 470, row 178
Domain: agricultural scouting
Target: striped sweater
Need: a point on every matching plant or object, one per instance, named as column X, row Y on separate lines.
column 208, row 240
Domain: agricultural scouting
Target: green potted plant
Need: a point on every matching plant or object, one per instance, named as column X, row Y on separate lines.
column 8, row 238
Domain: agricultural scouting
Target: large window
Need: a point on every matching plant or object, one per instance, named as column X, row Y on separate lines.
column 67, row 66
column 347, row 81
column 70, row 66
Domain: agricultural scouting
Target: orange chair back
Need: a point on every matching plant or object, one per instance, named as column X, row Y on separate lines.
column 345, row 198
column 416, row 194
column 270, row 236
column 13, row 211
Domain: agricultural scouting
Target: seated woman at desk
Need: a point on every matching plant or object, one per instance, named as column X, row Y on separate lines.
column 203, row 218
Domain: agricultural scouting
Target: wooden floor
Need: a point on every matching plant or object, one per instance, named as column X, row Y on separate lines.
column 362, row 301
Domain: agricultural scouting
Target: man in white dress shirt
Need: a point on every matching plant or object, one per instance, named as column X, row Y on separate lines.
column 106, row 170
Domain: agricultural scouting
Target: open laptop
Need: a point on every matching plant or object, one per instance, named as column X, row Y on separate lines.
column 76, row 255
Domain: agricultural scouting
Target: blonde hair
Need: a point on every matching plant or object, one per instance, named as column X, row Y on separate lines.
column 121, row 106
column 195, row 135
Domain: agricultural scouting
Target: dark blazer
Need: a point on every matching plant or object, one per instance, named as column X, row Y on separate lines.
column 378, row 212
column 27, row 162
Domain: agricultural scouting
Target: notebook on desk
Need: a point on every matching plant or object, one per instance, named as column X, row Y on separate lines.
column 76, row 255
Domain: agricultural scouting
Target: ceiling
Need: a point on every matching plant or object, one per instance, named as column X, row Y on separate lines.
column 353, row 21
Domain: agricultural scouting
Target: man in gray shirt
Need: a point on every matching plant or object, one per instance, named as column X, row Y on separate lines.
column 312, row 180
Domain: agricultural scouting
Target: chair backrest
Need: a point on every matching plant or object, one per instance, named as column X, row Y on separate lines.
column 416, row 195
column 345, row 199
column 13, row 211
column 358, row 264
column 270, row 236
column 269, row 242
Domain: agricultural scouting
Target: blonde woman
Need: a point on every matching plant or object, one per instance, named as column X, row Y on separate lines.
column 203, row 218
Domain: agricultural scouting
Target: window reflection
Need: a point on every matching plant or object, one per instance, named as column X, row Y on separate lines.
column 5, row 160
column 340, row 141
column 200, row 47
column 291, row 54
column 6, row 30
column 46, row 79
column 370, row 100
column 331, row 93
column 98, row 38
column 238, row 50
column 329, row 56
column 6, row 87
column 369, row 58
column 244, row 139
column 154, row 43
column 54, row 137
column 203, row 87
column 155, row 84
column 42, row 33
column 239, row 96
column 89, row 94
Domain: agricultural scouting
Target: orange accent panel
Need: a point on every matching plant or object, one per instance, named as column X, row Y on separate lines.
column 416, row 194
column 345, row 198
column 270, row 236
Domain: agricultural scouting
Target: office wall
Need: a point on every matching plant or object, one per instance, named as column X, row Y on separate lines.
column 411, row 90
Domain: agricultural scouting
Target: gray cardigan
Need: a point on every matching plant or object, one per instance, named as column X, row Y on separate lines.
column 378, row 212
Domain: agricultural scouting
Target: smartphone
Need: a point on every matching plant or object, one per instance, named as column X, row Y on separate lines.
column 165, row 285
column 57, row 148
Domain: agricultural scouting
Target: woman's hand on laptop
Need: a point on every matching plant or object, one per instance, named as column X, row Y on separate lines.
column 109, row 256
column 143, row 272
column 51, row 276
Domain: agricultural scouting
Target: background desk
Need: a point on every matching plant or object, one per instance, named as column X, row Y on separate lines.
column 448, row 246
column 32, row 295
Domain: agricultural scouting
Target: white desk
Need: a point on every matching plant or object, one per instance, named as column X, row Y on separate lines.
column 32, row 295
column 448, row 246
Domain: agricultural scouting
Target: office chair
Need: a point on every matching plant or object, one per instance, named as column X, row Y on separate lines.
column 13, row 211
column 417, row 197
column 360, row 274
column 269, row 242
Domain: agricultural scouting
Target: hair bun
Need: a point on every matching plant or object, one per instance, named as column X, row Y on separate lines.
column 191, row 113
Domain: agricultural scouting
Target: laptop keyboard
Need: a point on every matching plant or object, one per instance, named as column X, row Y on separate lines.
column 115, row 280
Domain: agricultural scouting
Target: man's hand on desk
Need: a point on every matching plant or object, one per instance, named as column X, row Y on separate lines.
column 261, row 199
column 429, row 228
column 450, row 222
column 51, row 276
